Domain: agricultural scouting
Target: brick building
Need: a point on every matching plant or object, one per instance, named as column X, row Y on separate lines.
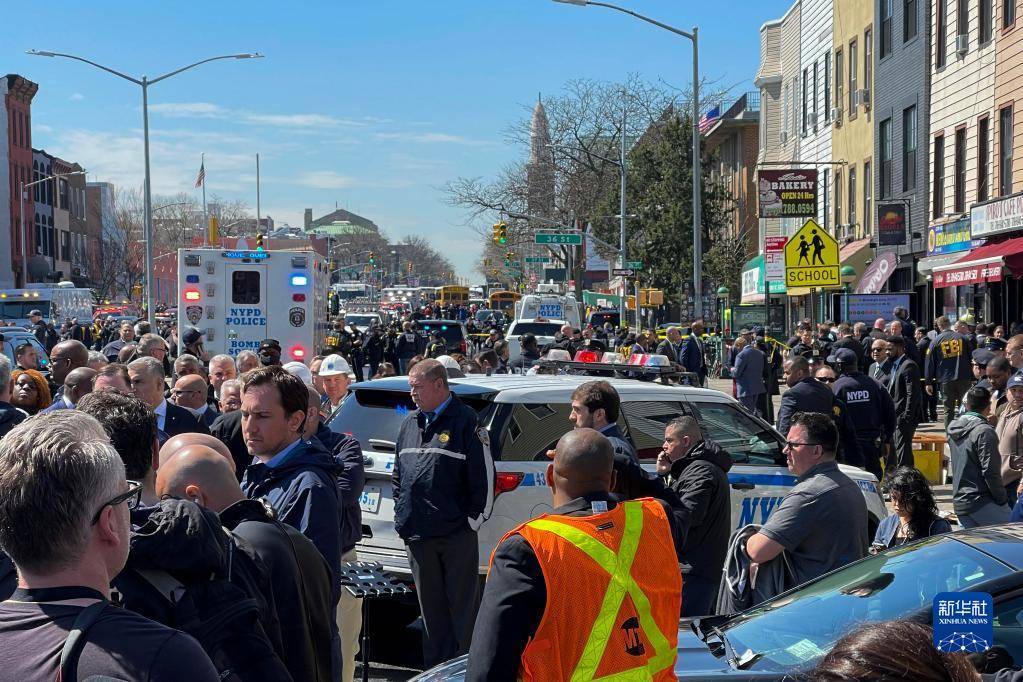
column 15, row 170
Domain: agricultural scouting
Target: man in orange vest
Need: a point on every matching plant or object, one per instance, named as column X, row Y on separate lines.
column 590, row 590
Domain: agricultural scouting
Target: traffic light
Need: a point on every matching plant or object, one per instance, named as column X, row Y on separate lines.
column 501, row 233
column 372, row 258
column 410, row 267
column 259, row 242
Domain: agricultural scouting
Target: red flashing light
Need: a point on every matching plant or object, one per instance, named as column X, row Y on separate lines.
column 192, row 295
column 298, row 298
column 507, row 481
column 587, row 356
column 298, row 352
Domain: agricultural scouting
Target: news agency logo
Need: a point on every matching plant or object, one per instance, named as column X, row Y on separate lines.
column 963, row 622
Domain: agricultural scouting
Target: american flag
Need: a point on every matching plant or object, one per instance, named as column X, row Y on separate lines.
column 706, row 121
column 202, row 174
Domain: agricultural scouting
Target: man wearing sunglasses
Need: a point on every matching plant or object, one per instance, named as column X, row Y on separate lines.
column 821, row 524
column 65, row 503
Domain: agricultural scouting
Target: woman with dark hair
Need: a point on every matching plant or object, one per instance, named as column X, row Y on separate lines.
column 892, row 650
column 916, row 514
column 31, row 392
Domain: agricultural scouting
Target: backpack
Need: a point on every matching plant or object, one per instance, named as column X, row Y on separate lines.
column 222, row 618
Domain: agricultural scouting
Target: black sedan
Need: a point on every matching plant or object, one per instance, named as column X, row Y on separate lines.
column 790, row 633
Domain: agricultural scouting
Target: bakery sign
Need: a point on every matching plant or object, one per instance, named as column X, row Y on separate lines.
column 790, row 193
column 997, row 216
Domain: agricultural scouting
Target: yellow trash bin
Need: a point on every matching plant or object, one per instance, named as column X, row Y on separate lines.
column 928, row 453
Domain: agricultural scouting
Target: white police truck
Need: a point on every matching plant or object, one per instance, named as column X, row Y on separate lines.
column 56, row 301
column 525, row 417
column 239, row 298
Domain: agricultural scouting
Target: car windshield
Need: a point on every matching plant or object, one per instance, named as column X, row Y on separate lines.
column 535, row 328
column 794, row 629
column 451, row 332
column 361, row 320
column 598, row 319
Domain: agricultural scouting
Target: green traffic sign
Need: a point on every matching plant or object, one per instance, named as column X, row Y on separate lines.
column 538, row 259
column 559, row 239
column 634, row 264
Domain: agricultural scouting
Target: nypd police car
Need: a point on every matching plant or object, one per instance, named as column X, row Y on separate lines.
column 525, row 416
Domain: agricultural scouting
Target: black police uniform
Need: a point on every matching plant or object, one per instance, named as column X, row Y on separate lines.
column 872, row 413
column 443, row 485
column 810, row 395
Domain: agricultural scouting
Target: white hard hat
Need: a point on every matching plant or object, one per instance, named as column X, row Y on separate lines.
column 301, row 371
column 335, row 364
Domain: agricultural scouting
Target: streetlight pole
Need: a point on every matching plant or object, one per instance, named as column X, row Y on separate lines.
column 21, row 213
column 697, row 161
column 144, row 82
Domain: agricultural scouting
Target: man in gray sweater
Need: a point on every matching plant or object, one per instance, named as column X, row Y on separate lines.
column 978, row 496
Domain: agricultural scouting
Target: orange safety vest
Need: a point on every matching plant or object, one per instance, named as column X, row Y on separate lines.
column 614, row 591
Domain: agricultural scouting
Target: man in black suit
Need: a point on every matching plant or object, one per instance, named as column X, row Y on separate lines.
column 147, row 383
column 905, row 388
column 671, row 347
column 693, row 357
column 881, row 367
column 190, row 392
column 847, row 340
column 807, row 394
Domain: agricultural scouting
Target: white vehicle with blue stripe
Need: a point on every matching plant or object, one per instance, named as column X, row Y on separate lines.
column 526, row 415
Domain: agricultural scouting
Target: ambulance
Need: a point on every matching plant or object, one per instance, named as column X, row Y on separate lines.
column 239, row 298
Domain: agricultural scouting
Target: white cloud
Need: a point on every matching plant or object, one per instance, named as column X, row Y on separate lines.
column 76, row 97
column 298, row 120
column 189, row 110
column 429, row 138
column 324, row 179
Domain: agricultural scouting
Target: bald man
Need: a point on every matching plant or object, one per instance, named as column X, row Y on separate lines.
column 77, row 385
column 508, row 636
column 299, row 575
column 65, row 357
column 190, row 392
column 183, row 440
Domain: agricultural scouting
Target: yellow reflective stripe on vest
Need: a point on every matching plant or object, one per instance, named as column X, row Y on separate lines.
column 619, row 567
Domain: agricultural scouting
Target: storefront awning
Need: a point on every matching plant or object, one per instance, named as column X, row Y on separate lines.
column 926, row 266
column 985, row 264
column 856, row 254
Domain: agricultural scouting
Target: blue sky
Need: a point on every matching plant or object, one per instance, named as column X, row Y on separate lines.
column 369, row 105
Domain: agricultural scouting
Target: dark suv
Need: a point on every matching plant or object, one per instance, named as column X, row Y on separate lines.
column 452, row 331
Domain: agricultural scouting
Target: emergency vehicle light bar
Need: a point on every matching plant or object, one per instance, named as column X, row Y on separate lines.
column 246, row 255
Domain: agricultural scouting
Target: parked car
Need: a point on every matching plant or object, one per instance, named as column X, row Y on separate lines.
column 363, row 321
column 786, row 636
column 543, row 330
column 14, row 337
column 452, row 331
column 526, row 415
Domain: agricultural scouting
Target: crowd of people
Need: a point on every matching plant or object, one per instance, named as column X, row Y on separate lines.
column 190, row 490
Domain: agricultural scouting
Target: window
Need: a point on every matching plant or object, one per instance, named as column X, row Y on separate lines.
column 885, row 144
column 852, row 196
column 853, row 68
column 962, row 17
column 786, row 125
column 827, row 87
column 1008, row 13
column 839, row 80
column 983, row 156
column 804, row 100
column 1005, row 151
column 816, row 120
column 827, row 192
column 938, row 191
column 645, row 421
column 838, row 198
column 984, row 19
column 959, row 188
column 885, row 47
column 723, row 423
column 868, row 61
column 245, row 287
column 942, row 39
column 868, row 189
column 65, row 245
column 909, row 133
column 909, row 20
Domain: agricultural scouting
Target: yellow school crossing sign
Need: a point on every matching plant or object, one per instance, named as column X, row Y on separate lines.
column 811, row 258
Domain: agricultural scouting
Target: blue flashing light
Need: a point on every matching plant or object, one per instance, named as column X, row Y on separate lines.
column 443, row 327
column 299, row 280
column 192, row 279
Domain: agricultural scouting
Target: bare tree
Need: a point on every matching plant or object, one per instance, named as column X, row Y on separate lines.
column 125, row 243
column 427, row 263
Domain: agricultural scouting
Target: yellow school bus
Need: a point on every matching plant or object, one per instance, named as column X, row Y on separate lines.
column 453, row 295
column 504, row 301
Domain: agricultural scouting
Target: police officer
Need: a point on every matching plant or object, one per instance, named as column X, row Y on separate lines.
column 948, row 366
column 806, row 394
column 772, row 371
column 443, row 484
column 871, row 408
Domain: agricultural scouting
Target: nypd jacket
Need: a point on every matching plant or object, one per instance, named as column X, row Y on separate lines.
column 870, row 407
column 810, row 395
column 443, row 478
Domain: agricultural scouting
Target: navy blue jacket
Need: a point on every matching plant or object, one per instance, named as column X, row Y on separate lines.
column 351, row 479
column 443, row 478
column 810, row 395
column 749, row 372
column 871, row 408
column 303, row 492
column 948, row 358
column 692, row 357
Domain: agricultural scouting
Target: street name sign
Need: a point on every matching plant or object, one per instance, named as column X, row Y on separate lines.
column 811, row 258
column 623, row 272
column 538, row 259
column 634, row 264
column 559, row 238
